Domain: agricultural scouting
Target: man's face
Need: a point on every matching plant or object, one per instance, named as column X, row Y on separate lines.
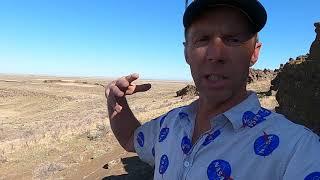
column 220, row 48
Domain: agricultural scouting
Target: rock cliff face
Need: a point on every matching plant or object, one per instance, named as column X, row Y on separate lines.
column 315, row 47
column 298, row 87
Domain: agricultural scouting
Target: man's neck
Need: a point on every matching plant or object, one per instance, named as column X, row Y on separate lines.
column 208, row 108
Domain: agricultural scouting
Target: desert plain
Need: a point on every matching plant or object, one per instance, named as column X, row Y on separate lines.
column 58, row 127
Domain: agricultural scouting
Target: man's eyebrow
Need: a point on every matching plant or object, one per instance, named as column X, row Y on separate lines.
column 198, row 32
column 195, row 32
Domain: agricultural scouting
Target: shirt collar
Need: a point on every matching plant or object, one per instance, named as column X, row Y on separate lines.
column 191, row 110
column 235, row 114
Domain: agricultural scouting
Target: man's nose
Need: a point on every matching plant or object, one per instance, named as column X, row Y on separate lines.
column 215, row 50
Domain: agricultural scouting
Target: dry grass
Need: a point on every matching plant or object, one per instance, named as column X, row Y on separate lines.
column 52, row 125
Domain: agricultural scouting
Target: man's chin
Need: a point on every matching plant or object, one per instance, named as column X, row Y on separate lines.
column 215, row 96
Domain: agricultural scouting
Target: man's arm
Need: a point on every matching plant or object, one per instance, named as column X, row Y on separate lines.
column 122, row 121
column 304, row 162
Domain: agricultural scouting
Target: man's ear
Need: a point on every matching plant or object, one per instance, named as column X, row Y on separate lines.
column 255, row 54
column 186, row 52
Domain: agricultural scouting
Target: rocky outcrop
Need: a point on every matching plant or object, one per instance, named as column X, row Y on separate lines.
column 298, row 89
column 258, row 75
column 188, row 91
column 315, row 47
column 255, row 75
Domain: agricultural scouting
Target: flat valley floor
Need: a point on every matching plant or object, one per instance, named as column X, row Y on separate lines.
column 58, row 127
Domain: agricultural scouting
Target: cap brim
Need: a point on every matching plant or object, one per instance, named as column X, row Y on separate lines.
column 252, row 8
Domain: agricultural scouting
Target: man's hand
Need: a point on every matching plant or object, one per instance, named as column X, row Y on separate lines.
column 117, row 90
column 122, row 120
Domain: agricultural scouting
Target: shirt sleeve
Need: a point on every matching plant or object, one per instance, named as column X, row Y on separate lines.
column 304, row 163
column 145, row 138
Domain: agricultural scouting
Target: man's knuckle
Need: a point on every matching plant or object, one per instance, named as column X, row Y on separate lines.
column 118, row 81
column 123, row 83
column 113, row 89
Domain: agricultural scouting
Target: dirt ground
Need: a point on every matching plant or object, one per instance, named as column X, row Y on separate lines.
column 58, row 127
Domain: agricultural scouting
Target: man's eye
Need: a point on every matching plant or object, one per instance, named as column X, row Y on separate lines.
column 202, row 39
column 232, row 40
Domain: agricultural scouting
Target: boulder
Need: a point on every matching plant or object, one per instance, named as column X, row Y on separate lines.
column 188, row 91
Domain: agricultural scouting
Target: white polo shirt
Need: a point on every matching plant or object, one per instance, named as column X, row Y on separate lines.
column 247, row 142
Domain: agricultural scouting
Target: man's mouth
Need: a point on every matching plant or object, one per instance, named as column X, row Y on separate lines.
column 215, row 77
column 215, row 81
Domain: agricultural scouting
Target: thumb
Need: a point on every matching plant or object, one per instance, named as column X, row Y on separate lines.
column 138, row 88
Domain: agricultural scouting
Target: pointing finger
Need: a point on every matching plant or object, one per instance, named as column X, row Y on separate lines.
column 142, row 87
column 138, row 88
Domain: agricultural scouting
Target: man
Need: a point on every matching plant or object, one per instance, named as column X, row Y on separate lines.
column 225, row 134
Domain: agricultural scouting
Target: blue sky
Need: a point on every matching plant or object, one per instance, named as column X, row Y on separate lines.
column 114, row 38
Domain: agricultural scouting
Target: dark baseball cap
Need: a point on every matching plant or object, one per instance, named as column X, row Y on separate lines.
column 253, row 9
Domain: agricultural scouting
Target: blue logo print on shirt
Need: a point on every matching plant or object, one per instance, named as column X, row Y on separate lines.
column 162, row 120
column 219, row 169
column 186, row 145
column 250, row 119
column 164, row 117
column 211, row 137
column 140, row 139
column 266, row 144
column 164, row 163
column 183, row 115
column 163, row 134
column 313, row 176
column 264, row 112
